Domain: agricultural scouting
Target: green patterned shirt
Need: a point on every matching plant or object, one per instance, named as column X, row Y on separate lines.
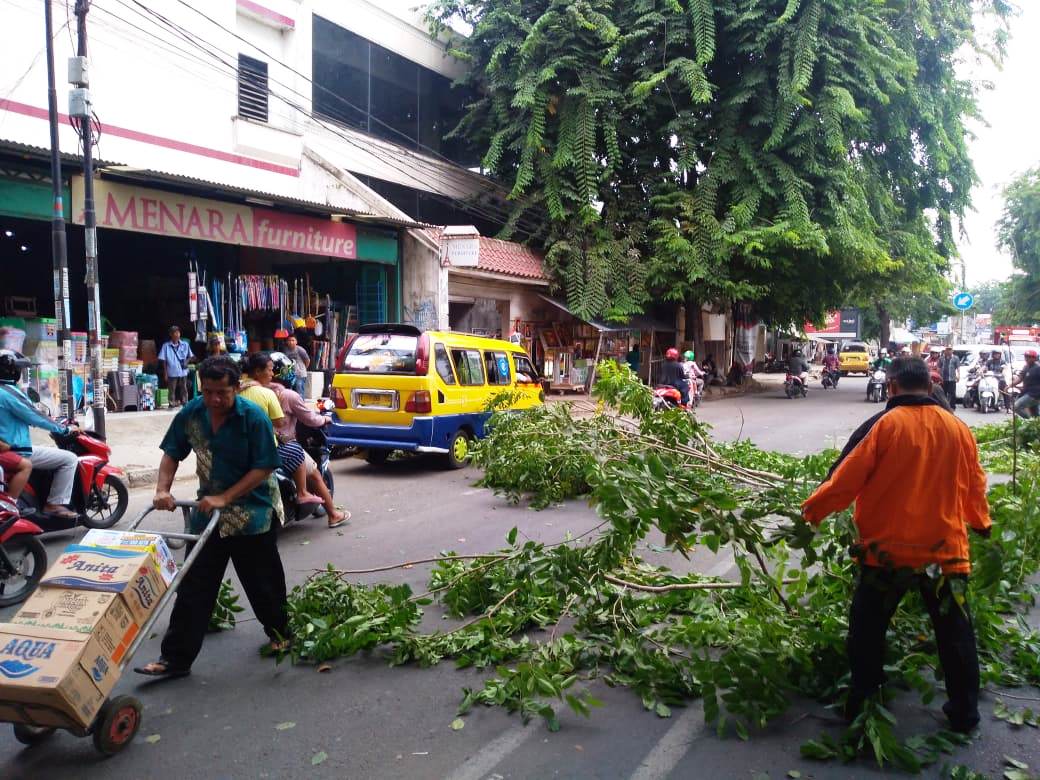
column 244, row 442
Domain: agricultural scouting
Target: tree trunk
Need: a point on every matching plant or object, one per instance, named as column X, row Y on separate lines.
column 885, row 323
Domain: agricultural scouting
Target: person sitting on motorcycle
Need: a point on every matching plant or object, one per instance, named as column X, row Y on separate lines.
column 694, row 373
column 1029, row 378
column 673, row 374
column 995, row 363
column 259, row 370
column 296, row 410
column 798, row 367
column 831, row 364
column 17, row 413
column 883, row 361
column 14, row 471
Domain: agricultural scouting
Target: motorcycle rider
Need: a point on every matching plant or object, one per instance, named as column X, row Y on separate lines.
column 882, row 363
column 831, row 364
column 674, row 375
column 694, row 373
column 17, row 413
column 996, row 364
column 1029, row 378
column 296, row 409
column 798, row 367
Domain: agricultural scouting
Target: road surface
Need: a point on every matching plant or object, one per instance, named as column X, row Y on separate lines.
column 376, row 722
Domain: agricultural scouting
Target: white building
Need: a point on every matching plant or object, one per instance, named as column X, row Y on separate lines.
column 299, row 138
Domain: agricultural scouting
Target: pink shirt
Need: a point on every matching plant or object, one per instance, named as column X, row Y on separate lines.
column 294, row 408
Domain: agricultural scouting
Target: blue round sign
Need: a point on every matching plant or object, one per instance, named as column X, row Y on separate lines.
column 963, row 301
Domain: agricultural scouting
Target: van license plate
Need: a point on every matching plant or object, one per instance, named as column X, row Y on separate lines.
column 384, row 400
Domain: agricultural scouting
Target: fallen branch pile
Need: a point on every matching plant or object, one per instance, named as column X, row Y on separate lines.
column 745, row 647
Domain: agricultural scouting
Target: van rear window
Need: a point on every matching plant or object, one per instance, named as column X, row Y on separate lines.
column 381, row 353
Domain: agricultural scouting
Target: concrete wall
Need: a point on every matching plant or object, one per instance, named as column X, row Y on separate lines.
column 424, row 284
column 519, row 301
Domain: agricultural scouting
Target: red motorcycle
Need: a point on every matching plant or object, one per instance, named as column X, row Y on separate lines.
column 99, row 492
column 23, row 559
column 668, row 397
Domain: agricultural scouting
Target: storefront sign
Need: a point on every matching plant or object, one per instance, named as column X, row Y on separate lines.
column 839, row 324
column 123, row 207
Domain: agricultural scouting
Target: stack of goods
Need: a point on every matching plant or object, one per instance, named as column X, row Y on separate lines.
column 110, row 361
column 146, row 394
column 79, row 347
column 41, row 342
column 60, row 656
column 12, row 333
column 126, row 342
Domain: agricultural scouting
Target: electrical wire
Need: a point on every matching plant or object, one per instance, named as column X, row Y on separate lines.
column 486, row 210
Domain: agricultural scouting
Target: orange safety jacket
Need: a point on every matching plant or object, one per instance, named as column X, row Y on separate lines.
column 914, row 473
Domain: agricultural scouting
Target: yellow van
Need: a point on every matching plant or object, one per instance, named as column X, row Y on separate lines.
column 399, row 388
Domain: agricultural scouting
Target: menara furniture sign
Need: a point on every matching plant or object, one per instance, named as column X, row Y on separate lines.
column 122, row 207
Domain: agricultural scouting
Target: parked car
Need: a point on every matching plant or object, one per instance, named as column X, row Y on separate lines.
column 400, row 388
column 854, row 358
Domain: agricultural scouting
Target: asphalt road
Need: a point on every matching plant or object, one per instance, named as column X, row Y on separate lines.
column 376, row 722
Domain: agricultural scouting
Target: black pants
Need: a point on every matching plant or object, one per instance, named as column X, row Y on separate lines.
column 259, row 568
column 178, row 386
column 877, row 595
column 950, row 388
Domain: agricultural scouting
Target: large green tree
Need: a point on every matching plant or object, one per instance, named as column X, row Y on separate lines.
column 1018, row 232
column 798, row 153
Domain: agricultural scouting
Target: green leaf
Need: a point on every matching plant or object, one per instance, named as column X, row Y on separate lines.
column 662, row 710
column 319, row 758
column 458, row 724
column 511, row 537
column 151, row 739
column 1015, row 762
column 285, row 726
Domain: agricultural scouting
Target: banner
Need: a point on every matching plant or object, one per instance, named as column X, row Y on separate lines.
column 122, row 207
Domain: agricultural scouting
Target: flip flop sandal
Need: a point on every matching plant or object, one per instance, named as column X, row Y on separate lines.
column 342, row 520
column 167, row 671
column 268, row 650
column 62, row 514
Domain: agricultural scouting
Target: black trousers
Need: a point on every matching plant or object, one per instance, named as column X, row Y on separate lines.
column 950, row 388
column 259, row 568
column 178, row 386
column 878, row 593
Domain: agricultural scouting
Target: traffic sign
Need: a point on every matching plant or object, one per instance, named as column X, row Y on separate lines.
column 964, row 301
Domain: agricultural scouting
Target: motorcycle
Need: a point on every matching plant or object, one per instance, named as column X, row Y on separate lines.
column 795, row 386
column 829, row 379
column 987, row 393
column 971, row 392
column 877, row 386
column 667, row 397
column 99, row 492
column 315, row 443
column 23, row 558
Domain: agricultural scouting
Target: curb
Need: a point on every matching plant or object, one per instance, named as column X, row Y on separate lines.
column 136, row 478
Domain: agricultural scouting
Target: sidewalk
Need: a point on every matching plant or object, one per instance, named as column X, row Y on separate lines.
column 134, row 438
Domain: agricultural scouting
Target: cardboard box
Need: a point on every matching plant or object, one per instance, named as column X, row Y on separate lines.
column 131, row 573
column 133, row 540
column 65, row 675
column 106, row 616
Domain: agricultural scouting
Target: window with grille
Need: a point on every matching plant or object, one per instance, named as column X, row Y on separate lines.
column 252, row 88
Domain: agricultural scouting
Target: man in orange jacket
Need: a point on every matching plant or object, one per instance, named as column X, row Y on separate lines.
column 904, row 531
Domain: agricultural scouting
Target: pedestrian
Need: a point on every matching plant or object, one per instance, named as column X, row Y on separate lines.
column 174, row 357
column 907, row 533
column 950, row 373
column 235, row 451
column 1029, row 378
column 299, row 356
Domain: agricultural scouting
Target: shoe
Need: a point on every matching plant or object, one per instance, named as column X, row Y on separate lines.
column 960, row 724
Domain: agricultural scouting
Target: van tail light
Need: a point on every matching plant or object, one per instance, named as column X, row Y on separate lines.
column 338, row 398
column 422, row 356
column 419, row 403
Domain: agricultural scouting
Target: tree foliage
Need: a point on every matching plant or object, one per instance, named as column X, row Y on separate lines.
column 792, row 152
column 1018, row 232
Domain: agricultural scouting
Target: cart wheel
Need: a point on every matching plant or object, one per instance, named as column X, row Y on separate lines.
column 31, row 735
column 117, row 724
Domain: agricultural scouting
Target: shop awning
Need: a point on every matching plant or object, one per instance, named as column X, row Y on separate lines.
column 639, row 322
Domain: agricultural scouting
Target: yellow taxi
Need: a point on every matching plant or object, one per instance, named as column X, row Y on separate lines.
column 854, row 358
column 400, row 388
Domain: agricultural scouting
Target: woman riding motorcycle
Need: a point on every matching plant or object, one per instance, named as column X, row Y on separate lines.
column 674, row 375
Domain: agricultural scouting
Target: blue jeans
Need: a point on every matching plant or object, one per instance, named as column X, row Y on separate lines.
column 683, row 386
column 1026, row 405
column 300, row 385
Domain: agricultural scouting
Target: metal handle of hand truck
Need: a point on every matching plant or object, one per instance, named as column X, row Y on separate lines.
column 185, row 507
column 200, row 541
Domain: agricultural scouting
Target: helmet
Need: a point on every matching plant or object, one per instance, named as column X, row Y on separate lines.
column 904, row 351
column 884, row 351
column 12, row 364
column 994, row 352
column 1031, row 353
column 284, row 369
column 688, row 354
column 671, row 354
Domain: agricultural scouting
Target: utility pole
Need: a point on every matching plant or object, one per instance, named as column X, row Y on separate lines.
column 59, row 250
column 80, row 108
column 964, row 288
